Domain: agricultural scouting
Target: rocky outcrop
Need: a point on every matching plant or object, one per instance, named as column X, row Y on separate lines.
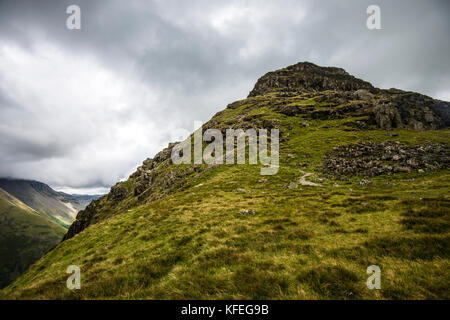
column 372, row 159
column 306, row 76
column 386, row 117
column 84, row 219
column 363, row 94
column 399, row 109
column 117, row 193
column 342, row 95
column 442, row 109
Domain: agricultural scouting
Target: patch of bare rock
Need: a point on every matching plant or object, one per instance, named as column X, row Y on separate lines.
column 372, row 159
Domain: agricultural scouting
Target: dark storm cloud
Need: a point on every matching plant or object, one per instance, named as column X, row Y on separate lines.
column 83, row 108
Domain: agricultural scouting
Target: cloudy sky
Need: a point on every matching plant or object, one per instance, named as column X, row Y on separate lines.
column 81, row 109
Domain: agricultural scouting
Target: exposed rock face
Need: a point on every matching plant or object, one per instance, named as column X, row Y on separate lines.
column 146, row 174
column 399, row 109
column 363, row 94
column 386, row 116
column 306, row 76
column 84, row 219
column 333, row 87
column 442, row 109
column 118, row 192
column 371, row 159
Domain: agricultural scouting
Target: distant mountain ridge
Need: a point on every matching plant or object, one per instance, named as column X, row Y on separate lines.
column 33, row 219
column 57, row 206
column 25, row 235
column 16, row 202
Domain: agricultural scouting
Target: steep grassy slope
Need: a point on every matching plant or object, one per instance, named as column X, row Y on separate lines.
column 226, row 232
column 57, row 206
column 24, row 237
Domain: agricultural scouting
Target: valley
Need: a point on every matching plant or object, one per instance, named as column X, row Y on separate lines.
column 33, row 219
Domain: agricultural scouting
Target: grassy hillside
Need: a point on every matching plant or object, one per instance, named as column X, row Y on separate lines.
column 226, row 232
column 24, row 237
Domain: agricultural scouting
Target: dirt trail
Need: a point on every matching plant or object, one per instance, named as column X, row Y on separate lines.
column 303, row 181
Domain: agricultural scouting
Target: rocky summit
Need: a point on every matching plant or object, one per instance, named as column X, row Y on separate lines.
column 363, row 180
column 308, row 77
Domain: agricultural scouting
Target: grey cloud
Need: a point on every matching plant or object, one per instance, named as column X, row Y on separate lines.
column 194, row 57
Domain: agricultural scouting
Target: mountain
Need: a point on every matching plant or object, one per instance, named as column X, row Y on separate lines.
column 24, row 237
column 363, row 179
column 33, row 219
column 57, row 206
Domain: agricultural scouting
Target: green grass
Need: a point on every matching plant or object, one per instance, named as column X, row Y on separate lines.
column 45, row 201
column 303, row 243
column 24, row 237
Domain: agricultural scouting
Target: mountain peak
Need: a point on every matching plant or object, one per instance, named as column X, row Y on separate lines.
column 308, row 77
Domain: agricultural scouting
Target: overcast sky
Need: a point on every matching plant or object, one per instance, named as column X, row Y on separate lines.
column 81, row 109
